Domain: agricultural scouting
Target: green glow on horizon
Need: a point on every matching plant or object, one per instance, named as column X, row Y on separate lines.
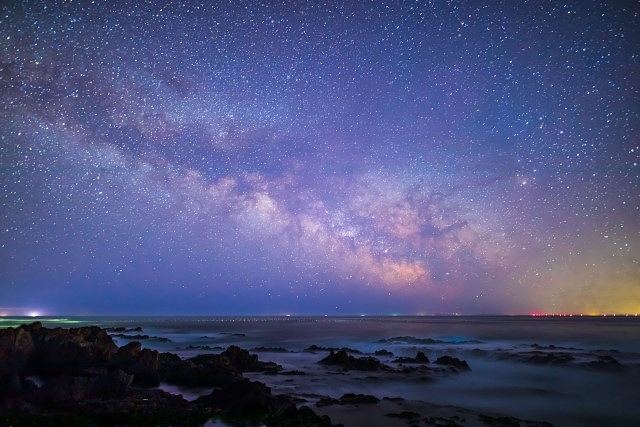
column 17, row 321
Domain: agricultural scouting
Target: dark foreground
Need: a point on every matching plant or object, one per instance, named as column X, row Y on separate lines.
column 79, row 376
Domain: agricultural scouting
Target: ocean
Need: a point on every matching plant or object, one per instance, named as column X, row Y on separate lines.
column 536, row 368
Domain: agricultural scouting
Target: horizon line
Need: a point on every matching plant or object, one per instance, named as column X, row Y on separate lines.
column 302, row 315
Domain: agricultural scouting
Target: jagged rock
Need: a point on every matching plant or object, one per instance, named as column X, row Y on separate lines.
column 138, row 407
column 203, row 348
column 407, row 339
column 16, row 347
column 123, row 329
column 316, row 348
column 604, row 363
column 349, row 399
column 242, row 397
column 289, row 373
column 478, row 352
column 454, row 421
column 85, row 379
column 240, row 359
column 62, row 350
column 92, row 385
column 383, row 352
column 213, row 372
column 420, row 358
column 143, row 364
column 348, row 362
column 140, row 337
column 453, row 361
column 244, row 361
column 247, row 399
column 129, row 351
column 551, row 358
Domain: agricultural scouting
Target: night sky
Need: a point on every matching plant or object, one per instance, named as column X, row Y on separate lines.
column 319, row 157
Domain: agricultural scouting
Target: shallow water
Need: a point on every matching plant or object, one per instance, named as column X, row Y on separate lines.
column 564, row 395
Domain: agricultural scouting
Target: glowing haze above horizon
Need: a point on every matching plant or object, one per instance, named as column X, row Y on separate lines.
column 319, row 157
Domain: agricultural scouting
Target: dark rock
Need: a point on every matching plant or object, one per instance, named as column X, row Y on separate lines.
column 123, row 329
column 405, row 415
column 553, row 347
column 453, row 361
column 58, row 351
column 423, row 341
column 383, row 352
column 393, row 399
column 201, row 372
column 92, row 385
column 348, row 362
column 203, row 348
column 128, row 351
column 16, row 347
column 349, row 399
column 145, row 369
column 314, row 349
column 244, row 361
column 140, row 337
column 143, row 364
column 245, row 399
column 604, row 363
column 479, row 352
column 142, row 407
column 420, row 358
column 551, row 358
column 293, row 372
column 499, row 421
column 453, row 421
column 164, row 358
column 83, row 378
column 212, row 370
column 288, row 415
column 138, row 407
column 242, row 397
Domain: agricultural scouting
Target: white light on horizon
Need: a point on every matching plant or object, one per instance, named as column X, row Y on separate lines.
column 33, row 314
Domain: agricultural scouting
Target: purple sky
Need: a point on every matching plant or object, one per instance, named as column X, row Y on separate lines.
column 335, row 158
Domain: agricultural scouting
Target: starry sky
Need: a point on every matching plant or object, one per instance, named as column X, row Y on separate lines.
column 319, row 157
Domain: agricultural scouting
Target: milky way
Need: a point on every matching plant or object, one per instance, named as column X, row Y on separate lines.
column 293, row 157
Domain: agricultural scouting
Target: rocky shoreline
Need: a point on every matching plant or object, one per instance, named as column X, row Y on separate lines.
column 79, row 376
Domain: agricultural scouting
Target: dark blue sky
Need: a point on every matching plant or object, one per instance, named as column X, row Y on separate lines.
column 308, row 157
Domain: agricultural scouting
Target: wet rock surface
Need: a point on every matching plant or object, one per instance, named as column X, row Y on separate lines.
column 552, row 355
column 79, row 376
column 348, row 362
column 66, row 377
column 407, row 339
column 419, row 358
column 453, row 361
column 315, row 348
column 349, row 399
column 138, row 337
